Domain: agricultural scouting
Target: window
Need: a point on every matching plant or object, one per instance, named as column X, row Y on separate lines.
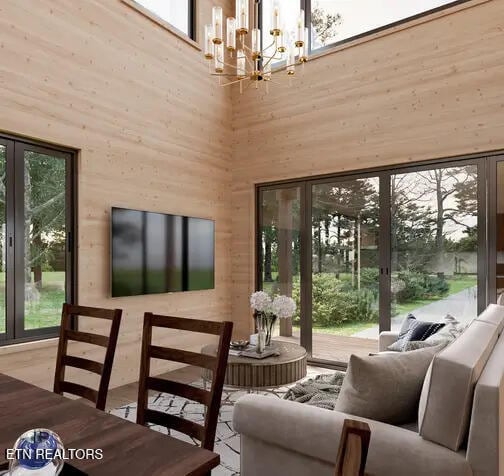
column 36, row 229
column 178, row 13
column 335, row 21
column 360, row 251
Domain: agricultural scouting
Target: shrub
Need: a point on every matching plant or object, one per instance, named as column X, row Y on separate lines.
column 334, row 302
column 411, row 285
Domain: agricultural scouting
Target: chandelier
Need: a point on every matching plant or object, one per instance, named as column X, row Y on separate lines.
column 238, row 57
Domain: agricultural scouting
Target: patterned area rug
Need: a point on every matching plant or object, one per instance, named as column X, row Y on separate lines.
column 227, row 441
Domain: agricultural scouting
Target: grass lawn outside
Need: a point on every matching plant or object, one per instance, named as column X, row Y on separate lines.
column 44, row 312
column 345, row 329
column 456, row 285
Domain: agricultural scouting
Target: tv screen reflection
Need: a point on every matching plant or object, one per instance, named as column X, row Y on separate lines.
column 157, row 253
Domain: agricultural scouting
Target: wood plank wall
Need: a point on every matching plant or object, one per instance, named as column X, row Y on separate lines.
column 153, row 131
column 433, row 90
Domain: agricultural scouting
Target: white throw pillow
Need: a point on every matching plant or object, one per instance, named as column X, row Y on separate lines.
column 385, row 387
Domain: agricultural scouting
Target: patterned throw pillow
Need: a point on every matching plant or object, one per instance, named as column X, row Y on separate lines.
column 449, row 333
column 414, row 330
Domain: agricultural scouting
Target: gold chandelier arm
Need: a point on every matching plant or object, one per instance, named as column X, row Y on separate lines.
column 270, row 59
column 226, row 75
column 272, row 44
column 234, row 82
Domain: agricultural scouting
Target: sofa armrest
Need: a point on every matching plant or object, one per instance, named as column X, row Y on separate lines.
column 290, row 425
column 306, row 432
column 387, row 338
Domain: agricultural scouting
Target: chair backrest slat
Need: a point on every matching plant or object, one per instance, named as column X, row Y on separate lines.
column 176, row 423
column 96, row 312
column 180, row 389
column 80, row 390
column 182, row 356
column 63, row 360
column 88, row 338
column 82, row 363
column 217, row 364
column 191, row 325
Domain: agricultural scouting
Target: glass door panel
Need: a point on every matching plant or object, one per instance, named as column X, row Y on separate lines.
column 499, row 230
column 279, row 266
column 345, row 268
column 3, row 236
column 434, row 244
column 45, row 214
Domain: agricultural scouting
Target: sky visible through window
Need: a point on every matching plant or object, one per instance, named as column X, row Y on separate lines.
column 360, row 16
column 175, row 12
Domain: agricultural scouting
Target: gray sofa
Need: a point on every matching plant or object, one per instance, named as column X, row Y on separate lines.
column 460, row 431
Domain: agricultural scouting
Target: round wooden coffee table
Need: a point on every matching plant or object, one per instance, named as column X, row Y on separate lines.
column 243, row 372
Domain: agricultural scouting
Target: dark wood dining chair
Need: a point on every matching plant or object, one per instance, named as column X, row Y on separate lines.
column 63, row 360
column 353, row 449
column 210, row 398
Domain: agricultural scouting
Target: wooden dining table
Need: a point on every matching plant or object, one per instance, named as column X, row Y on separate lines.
column 128, row 448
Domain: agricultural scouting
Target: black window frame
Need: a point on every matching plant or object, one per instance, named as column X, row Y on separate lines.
column 15, row 148
column 306, row 5
column 485, row 162
column 191, row 17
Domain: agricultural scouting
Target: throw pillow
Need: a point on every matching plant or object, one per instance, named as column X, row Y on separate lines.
column 385, row 387
column 446, row 335
column 414, row 330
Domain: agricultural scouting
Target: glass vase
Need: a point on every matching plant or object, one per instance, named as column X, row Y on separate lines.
column 261, row 333
column 270, row 322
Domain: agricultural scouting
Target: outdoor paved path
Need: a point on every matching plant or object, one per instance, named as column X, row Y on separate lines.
column 461, row 305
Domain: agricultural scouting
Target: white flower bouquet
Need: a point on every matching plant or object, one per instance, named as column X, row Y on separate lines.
column 268, row 310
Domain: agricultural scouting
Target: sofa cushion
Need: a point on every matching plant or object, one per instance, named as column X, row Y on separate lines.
column 414, row 330
column 485, row 448
column 445, row 402
column 385, row 387
column 494, row 314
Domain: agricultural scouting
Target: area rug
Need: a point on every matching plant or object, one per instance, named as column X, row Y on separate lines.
column 227, row 441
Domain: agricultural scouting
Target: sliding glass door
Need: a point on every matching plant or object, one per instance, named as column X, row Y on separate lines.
column 3, row 236
column 37, row 201
column 279, row 250
column 434, row 243
column 359, row 252
column 345, row 267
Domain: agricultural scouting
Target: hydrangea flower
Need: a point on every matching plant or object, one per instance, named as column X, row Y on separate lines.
column 260, row 301
column 283, row 307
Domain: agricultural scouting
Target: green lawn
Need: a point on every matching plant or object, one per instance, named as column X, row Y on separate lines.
column 46, row 312
column 345, row 329
column 456, row 285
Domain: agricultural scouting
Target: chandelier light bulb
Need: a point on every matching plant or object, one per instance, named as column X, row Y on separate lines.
column 303, row 51
column 209, row 44
column 281, row 41
column 275, row 21
column 217, row 24
column 231, row 34
column 256, row 43
column 241, row 65
column 300, row 29
column 219, row 58
column 291, row 61
column 242, row 16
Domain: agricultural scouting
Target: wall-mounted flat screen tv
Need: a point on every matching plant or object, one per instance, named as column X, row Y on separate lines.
column 158, row 253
